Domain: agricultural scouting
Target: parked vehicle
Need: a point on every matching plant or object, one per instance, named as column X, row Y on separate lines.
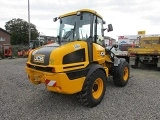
column 148, row 51
column 5, row 51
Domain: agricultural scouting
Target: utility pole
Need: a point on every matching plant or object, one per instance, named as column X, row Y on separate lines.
column 29, row 28
column 39, row 38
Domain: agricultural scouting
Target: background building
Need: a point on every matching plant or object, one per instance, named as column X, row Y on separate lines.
column 4, row 38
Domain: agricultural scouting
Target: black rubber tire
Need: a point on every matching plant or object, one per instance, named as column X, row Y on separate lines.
column 86, row 95
column 119, row 72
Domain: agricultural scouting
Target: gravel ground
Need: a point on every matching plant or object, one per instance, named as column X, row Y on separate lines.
column 21, row 100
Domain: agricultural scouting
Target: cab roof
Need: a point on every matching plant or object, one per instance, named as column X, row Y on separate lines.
column 81, row 10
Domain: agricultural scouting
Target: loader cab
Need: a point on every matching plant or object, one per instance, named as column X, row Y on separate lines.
column 85, row 25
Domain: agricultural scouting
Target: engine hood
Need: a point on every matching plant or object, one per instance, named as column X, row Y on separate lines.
column 61, row 56
column 41, row 56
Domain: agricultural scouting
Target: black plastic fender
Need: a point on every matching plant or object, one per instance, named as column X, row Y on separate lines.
column 92, row 68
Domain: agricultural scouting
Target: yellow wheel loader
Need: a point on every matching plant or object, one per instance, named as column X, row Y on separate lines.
column 78, row 63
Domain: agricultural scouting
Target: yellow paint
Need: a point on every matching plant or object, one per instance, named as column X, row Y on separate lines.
column 97, row 88
column 82, row 10
column 63, row 83
column 141, row 32
column 125, row 74
column 148, row 45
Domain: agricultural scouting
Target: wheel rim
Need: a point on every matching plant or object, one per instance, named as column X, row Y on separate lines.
column 97, row 88
column 125, row 73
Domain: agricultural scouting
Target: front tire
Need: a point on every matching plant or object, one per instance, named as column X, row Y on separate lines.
column 94, row 89
column 121, row 74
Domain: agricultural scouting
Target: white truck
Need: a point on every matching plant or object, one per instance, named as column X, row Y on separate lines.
column 119, row 53
column 124, row 42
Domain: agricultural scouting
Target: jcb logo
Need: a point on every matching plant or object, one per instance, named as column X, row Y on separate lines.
column 39, row 58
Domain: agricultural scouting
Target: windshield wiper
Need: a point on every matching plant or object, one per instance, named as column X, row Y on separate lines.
column 68, row 33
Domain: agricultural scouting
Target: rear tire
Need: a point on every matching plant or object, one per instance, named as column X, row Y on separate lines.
column 93, row 89
column 121, row 74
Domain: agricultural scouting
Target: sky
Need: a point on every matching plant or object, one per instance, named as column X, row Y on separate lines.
column 127, row 16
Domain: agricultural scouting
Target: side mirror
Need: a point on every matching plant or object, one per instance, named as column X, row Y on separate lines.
column 110, row 28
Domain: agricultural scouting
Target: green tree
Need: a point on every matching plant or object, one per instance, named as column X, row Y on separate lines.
column 19, row 31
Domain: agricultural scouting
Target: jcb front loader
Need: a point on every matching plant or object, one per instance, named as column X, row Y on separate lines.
column 78, row 62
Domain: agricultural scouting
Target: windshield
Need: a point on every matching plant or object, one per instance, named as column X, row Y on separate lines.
column 75, row 27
